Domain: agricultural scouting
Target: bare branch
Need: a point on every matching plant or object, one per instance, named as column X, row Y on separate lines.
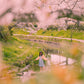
column 75, row 4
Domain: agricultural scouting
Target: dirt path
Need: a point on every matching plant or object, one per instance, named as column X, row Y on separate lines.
column 52, row 37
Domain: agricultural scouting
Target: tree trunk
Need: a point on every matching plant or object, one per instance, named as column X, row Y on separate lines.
column 78, row 23
column 66, row 60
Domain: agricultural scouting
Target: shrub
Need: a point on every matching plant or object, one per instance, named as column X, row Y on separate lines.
column 51, row 34
column 43, row 32
column 10, row 28
column 80, row 27
column 4, row 33
column 35, row 25
column 52, row 27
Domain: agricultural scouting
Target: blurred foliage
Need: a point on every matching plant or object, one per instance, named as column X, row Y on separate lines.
column 76, row 27
column 10, row 28
column 20, row 31
column 52, row 27
column 4, row 33
column 70, row 14
column 26, row 17
column 35, row 25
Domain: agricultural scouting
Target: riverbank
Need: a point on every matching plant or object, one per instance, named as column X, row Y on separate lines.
column 18, row 53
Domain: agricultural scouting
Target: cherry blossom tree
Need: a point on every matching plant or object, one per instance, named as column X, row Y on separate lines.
column 46, row 11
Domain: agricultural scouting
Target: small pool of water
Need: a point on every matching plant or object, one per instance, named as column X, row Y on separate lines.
column 57, row 59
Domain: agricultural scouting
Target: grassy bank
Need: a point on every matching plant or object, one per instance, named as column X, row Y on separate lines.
column 19, row 53
column 62, row 33
column 64, row 47
column 76, row 34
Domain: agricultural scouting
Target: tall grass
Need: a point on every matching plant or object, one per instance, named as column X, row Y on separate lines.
column 16, row 51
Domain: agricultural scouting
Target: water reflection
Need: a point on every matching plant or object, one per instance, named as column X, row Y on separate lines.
column 61, row 60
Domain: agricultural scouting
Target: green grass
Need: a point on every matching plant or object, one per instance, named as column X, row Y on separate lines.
column 62, row 33
column 16, row 51
column 19, row 31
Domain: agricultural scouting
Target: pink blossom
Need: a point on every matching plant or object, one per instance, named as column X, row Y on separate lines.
column 7, row 19
column 41, row 8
